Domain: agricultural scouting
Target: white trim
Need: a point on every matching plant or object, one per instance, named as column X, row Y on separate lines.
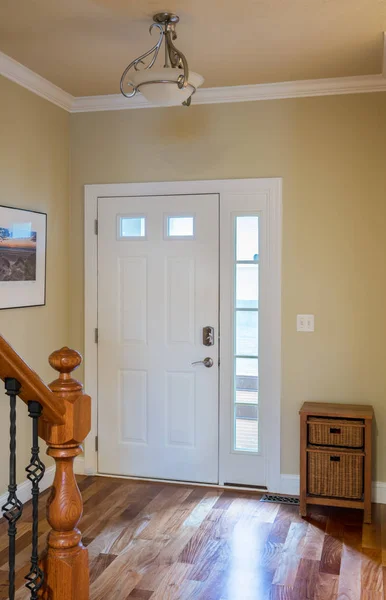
column 245, row 93
column 379, row 492
column 290, row 484
column 359, row 84
column 227, row 186
column 274, row 229
column 91, row 322
column 24, row 489
column 13, row 70
column 79, row 467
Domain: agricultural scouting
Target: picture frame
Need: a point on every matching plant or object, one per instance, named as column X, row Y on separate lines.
column 23, row 257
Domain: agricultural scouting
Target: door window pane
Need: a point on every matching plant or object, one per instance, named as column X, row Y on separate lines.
column 132, row 227
column 247, row 367
column 247, row 381
column 180, row 226
column 247, row 333
column 247, row 238
column 247, row 286
column 246, row 435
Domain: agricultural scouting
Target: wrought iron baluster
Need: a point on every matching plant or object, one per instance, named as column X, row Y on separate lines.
column 13, row 508
column 35, row 472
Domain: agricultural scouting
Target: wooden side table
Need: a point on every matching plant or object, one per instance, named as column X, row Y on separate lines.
column 335, row 456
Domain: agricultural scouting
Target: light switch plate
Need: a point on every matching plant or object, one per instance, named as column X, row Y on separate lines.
column 305, row 323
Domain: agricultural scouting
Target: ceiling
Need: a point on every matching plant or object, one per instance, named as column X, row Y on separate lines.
column 83, row 45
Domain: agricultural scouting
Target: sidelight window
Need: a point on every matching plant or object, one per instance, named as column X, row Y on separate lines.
column 246, row 334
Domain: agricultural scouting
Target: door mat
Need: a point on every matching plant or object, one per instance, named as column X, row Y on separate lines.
column 280, row 499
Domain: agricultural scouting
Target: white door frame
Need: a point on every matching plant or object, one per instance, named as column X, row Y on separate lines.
column 272, row 188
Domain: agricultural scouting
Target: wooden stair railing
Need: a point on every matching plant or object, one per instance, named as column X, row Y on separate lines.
column 64, row 424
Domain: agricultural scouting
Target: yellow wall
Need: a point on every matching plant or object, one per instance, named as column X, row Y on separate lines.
column 34, row 174
column 331, row 153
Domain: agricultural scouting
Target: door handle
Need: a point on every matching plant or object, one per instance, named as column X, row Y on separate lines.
column 207, row 362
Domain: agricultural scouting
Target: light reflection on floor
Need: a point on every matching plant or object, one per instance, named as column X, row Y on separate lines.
column 248, row 556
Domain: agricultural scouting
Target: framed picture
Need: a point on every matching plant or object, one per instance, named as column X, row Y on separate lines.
column 23, row 236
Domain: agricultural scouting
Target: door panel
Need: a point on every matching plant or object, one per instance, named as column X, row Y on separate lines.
column 157, row 290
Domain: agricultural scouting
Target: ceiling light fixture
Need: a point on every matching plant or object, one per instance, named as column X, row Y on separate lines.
column 168, row 86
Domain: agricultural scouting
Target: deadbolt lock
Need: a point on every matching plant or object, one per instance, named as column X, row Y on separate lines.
column 208, row 336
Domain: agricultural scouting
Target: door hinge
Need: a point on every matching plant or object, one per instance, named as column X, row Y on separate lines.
column 96, row 226
column 96, row 335
column 96, row 443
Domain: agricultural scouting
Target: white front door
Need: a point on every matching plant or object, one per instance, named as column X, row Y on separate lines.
column 158, row 281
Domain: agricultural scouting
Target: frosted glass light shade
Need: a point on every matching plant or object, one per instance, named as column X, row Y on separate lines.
column 166, row 94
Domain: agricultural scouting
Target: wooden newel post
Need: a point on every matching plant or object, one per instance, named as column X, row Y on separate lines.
column 65, row 562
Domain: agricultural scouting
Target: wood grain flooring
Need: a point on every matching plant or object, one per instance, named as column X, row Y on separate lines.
column 171, row 542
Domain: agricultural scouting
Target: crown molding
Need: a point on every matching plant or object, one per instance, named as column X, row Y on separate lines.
column 361, row 84
column 13, row 70
column 245, row 93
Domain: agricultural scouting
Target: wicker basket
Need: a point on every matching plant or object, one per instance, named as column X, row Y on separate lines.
column 347, row 433
column 337, row 475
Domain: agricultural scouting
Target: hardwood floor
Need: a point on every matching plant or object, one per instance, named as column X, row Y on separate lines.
column 167, row 542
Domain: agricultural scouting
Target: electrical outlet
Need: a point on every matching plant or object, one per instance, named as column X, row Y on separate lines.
column 305, row 323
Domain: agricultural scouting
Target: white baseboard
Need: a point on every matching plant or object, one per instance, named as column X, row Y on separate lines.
column 379, row 492
column 24, row 489
column 290, row 485
column 79, row 466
